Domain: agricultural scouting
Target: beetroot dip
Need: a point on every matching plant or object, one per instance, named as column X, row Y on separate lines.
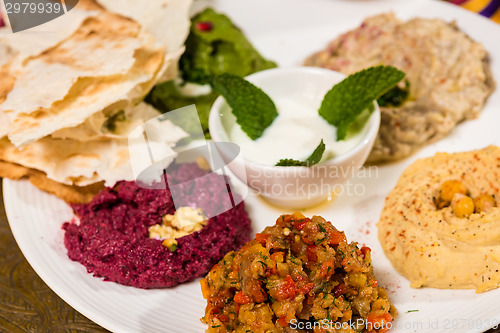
column 111, row 237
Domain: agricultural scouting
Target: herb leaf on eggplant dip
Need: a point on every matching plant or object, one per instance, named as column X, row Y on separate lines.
column 214, row 46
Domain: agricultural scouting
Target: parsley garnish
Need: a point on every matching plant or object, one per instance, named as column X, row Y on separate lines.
column 172, row 247
column 311, row 160
column 321, row 240
column 253, row 109
column 110, row 123
column 349, row 98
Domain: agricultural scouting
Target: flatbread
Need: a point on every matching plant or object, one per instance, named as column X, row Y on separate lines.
column 7, row 81
column 49, row 76
column 167, row 20
column 73, row 162
column 34, row 41
column 12, row 171
column 89, row 96
column 70, row 194
column 101, row 126
column 68, row 101
column 106, row 64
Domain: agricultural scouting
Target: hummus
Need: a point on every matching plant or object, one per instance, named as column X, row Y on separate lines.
column 448, row 74
column 433, row 247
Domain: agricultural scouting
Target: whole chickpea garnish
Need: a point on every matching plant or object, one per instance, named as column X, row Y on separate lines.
column 484, row 203
column 448, row 190
column 462, row 205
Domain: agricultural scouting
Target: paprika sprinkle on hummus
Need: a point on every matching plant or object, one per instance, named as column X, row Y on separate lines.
column 440, row 224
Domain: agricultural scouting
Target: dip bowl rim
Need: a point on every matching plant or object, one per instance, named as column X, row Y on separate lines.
column 358, row 153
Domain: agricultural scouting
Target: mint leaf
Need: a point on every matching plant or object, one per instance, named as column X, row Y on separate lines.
column 317, row 154
column 310, row 161
column 254, row 110
column 347, row 99
column 396, row 96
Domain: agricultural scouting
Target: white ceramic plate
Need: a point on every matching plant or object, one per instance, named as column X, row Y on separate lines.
column 286, row 31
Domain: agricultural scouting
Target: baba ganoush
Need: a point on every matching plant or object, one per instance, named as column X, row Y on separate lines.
column 448, row 245
column 448, row 74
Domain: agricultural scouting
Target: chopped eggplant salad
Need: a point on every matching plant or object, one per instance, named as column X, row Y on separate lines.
column 300, row 274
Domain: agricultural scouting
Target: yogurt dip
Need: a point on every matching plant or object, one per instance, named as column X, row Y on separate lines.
column 295, row 133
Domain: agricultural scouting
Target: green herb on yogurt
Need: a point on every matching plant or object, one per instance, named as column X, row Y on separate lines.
column 253, row 109
column 349, row 98
column 310, row 161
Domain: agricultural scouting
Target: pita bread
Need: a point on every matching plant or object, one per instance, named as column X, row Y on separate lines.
column 7, row 54
column 150, row 147
column 73, row 162
column 167, row 20
column 101, row 126
column 6, row 84
column 33, row 41
column 67, row 109
column 89, row 96
column 12, row 171
column 49, row 76
column 70, row 194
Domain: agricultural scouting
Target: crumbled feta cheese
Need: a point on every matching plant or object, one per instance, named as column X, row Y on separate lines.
column 185, row 221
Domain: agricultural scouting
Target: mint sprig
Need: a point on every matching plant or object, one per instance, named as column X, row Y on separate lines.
column 347, row 99
column 253, row 109
column 396, row 96
column 311, row 160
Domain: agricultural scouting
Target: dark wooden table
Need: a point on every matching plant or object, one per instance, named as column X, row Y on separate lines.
column 27, row 304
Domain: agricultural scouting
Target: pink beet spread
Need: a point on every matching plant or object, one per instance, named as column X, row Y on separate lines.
column 111, row 238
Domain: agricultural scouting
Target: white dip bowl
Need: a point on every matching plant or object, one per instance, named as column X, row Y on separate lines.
column 294, row 187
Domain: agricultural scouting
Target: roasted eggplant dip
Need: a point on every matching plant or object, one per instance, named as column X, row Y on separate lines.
column 440, row 224
column 448, row 78
column 300, row 275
